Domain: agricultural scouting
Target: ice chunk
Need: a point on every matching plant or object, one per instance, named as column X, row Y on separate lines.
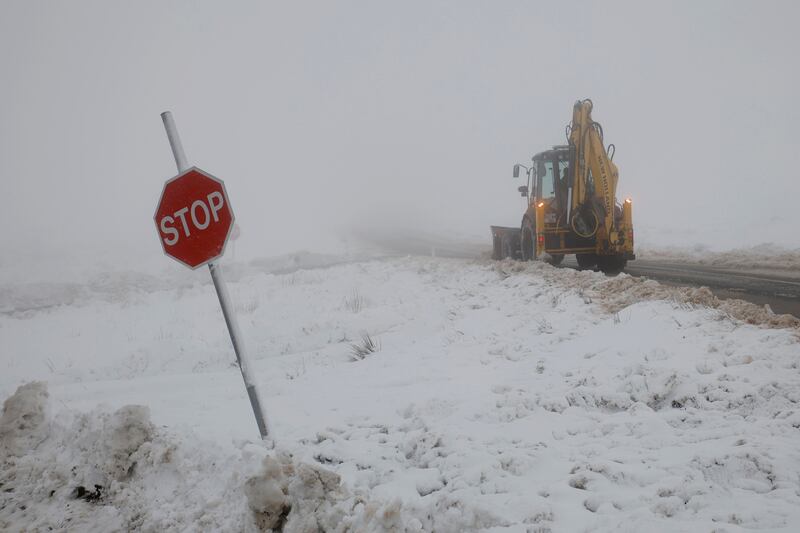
column 23, row 424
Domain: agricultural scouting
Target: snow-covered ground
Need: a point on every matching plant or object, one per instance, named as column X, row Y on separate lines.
column 745, row 245
column 503, row 396
column 764, row 257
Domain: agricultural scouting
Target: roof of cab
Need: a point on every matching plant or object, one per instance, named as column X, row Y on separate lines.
column 547, row 154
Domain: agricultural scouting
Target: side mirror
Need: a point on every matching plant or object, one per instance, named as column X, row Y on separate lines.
column 523, row 190
column 516, row 171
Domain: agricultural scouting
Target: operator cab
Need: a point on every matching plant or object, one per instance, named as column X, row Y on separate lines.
column 551, row 179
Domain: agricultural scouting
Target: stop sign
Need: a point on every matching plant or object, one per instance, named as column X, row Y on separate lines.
column 194, row 218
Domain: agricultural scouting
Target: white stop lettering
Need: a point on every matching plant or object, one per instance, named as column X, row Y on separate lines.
column 201, row 214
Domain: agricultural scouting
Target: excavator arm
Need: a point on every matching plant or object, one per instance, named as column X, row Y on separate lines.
column 594, row 175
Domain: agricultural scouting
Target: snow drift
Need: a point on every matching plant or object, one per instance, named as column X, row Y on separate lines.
column 767, row 256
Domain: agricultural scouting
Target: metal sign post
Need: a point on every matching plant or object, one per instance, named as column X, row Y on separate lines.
column 223, row 295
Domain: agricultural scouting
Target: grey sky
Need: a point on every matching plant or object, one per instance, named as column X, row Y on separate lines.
column 319, row 115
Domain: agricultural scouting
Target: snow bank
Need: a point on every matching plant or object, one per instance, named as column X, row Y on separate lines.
column 299, row 497
column 74, row 475
column 760, row 257
column 615, row 294
column 102, row 471
column 22, row 425
column 116, row 472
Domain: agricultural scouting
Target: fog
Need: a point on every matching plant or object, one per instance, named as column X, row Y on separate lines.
column 323, row 117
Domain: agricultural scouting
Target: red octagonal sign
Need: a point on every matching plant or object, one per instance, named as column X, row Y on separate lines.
column 194, row 218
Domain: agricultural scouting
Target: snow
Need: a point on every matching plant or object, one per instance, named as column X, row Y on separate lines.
column 763, row 257
column 503, row 397
column 716, row 233
column 742, row 244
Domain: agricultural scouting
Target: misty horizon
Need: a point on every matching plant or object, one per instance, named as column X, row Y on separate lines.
column 324, row 118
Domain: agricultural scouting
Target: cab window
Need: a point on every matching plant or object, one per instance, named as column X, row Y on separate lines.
column 562, row 167
column 546, row 184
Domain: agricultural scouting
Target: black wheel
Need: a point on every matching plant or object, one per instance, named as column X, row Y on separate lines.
column 554, row 259
column 611, row 265
column 528, row 238
column 586, row 260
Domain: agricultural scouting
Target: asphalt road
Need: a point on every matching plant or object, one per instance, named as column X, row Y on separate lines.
column 780, row 289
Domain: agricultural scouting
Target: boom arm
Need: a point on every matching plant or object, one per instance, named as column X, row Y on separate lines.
column 589, row 159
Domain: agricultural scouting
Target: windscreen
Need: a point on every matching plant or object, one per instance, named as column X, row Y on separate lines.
column 547, row 185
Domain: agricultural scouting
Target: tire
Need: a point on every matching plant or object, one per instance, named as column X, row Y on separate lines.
column 528, row 240
column 554, row 259
column 611, row 265
column 586, row 260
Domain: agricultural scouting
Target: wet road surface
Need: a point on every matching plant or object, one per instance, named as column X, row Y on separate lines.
column 779, row 290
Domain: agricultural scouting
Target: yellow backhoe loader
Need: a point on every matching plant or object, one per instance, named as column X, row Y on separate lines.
column 572, row 206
